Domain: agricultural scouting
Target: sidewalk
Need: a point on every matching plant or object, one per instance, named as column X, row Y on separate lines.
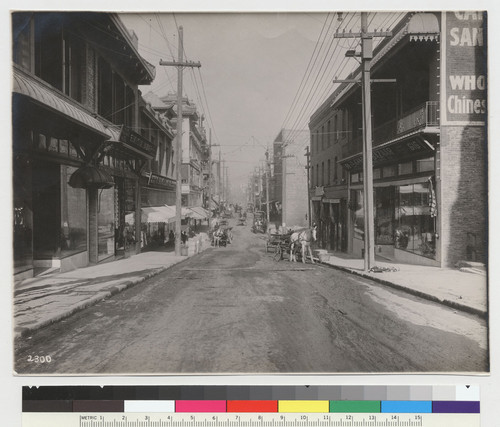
column 464, row 290
column 41, row 301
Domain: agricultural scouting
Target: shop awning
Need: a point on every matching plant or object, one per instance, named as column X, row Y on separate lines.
column 173, row 210
column 151, row 214
column 158, row 214
column 48, row 97
column 90, row 176
column 197, row 212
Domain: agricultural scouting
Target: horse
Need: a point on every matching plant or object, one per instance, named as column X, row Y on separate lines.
column 304, row 238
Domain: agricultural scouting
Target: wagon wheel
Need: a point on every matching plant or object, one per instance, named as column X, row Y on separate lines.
column 278, row 253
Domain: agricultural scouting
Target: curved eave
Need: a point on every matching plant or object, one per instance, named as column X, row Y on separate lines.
column 149, row 69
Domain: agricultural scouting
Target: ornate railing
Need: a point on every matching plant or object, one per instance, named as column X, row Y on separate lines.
column 420, row 117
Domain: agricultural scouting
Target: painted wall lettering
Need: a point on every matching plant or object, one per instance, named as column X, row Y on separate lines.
column 466, row 85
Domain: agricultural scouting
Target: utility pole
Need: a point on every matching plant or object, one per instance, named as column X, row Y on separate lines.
column 267, row 186
column 366, row 57
column 178, row 139
column 308, row 168
column 219, row 183
column 224, row 181
column 209, row 175
column 226, row 187
column 284, row 204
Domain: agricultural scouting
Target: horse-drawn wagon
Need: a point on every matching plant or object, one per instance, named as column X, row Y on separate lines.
column 295, row 243
column 283, row 244
column 273, row 241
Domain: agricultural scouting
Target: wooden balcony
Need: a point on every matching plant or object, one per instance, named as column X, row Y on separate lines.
column 419, row 118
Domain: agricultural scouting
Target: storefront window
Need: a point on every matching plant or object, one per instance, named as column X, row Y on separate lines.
column 73, row 215
column 46, row 186
column 384, row 216
column 357, row 207
column 415, row 228
column 106, row 225
column 23, row 217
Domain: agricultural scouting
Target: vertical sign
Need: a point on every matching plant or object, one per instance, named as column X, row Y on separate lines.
column 465, row 56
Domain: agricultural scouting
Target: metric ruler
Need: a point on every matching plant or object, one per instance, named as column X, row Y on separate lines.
column 259, row 406
column 248, row 420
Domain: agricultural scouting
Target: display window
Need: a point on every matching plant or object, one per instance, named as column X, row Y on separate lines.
column 384, row 215
column 106, row 223
column 23, row 217
column 415, row 228
column 402, row 218
column 357, row 208
column 73, row 216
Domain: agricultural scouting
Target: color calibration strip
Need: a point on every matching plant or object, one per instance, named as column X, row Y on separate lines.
column 215, row 399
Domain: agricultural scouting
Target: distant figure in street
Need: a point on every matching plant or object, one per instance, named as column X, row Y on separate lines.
column 217, row 236
column 184, row 237
column 171, row 238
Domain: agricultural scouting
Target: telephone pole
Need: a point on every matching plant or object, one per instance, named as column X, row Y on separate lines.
column 226, row 188
column 267, row 186
column 366, row 57
column 209, row 175
column 308, row 168
column 180, row 64
column 224, row 181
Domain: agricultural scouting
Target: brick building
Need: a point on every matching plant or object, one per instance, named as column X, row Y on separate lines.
column 290, row 177
column 429, row 145
column 86, row 149
column 194, row 169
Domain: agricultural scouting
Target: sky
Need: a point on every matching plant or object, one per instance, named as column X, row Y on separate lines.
column 260, row 72
column 252, row 65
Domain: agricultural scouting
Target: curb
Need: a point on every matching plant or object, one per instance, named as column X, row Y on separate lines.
column 452, row 304
column 113, row 290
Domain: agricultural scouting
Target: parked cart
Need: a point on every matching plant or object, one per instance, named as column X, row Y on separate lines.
column 283, row 245
column 272, row 241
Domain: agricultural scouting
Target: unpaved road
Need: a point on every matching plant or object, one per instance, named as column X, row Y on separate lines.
column 235, row 310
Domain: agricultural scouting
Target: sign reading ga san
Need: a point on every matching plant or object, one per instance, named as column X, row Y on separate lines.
column 466, row 79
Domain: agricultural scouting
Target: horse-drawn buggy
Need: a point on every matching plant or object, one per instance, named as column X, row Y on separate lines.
column 273, row 241
column 281, row 245
column 294, row 245
column 222, row 236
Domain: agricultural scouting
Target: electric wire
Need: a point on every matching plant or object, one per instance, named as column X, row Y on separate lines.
column 393, row 18
column 313, row 89
column 301, row 85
